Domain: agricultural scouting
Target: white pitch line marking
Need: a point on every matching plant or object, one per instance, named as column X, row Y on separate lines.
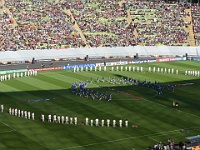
column 7, row 131
column 147, row 135
column 128, row 99
column 153, row 139
column 169, row 107
column 8, row 126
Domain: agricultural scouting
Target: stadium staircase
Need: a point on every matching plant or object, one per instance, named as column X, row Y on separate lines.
column 67, row 11
column 189, row 29
column 129, row 18
column 2, row 8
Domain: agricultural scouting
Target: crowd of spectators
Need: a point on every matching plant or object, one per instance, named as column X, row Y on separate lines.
column 159, row 23
column 196, row 22
column 40, row 25
column 45, row 24
column 170, row 145
column 103, row 23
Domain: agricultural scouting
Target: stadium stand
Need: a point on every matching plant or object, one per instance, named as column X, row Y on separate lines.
column 103, row 23
column 40, row 25
column 50, row 24
column 159, row 23
column 189, row 27
column 195, row 9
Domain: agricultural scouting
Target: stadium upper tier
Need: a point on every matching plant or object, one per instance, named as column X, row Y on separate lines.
column 33, row 24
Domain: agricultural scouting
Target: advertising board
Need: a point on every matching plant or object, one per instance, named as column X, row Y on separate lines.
column 47, row 69
column 170, row 59
column 12, row 71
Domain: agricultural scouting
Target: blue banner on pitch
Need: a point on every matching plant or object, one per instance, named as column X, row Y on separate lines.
column 78, row 66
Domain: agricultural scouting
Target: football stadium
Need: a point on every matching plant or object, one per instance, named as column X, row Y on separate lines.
column 99, row 75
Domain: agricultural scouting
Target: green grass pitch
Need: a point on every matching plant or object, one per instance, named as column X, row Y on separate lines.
column 152, row 113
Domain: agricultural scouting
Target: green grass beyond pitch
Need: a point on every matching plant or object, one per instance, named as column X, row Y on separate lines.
column 152, row 113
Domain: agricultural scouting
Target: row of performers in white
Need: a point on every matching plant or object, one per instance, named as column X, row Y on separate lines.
column 18, row 75
column 21, row 113
column 117, row 68
column 163, row 70
column 91, row 122
column 1, row 107
column 192, row 73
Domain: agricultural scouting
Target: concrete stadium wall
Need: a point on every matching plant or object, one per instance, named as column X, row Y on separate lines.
column 25, row 55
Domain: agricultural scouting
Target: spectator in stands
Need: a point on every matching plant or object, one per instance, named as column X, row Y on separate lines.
column 181, row 144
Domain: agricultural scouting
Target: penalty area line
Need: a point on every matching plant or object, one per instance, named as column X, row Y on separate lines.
column 8, row 126
column 128, row 99
column 7, row 131
column 153, row 139
column 189, row 113
column 170, row 107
